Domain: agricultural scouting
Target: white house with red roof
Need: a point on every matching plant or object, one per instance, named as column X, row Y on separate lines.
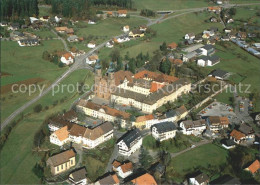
column 67, row 58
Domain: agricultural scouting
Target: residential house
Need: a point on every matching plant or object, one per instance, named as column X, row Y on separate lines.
column 219, row 2
column 145, row 179
column 227, row 30
column 207, row 50
column 28, row 42
column 103, row 112
column 135, row 33
column 91, row 22
column 190, row 127
column 129, row 142
column 126, row 28
column 198, row 39
column 228, row 144
column 219, row 74
column 215, row 9
column 121, row 39
column 225, row 38
column 73, row 38
column 241, row 35
column 164, row 131
column 91, row 44
column 115, row 165
column 208, row 61
column 189, row 56
column 253, row 51
column 217, row 123
column 122, row 13
column 247, row 130
column 45, row 18
column 92, row 59
column 78, row 177
column 213, row 19
column 14, row 26
column 69, row 31
column 199, row 179
column 70, row 116
column 230, row 21
column 67, row 58
column 177, row 114
column 143, row 28
column 189, row 36
column 61, row 29
column 97, row 135
column 110, row 44
column 3, row 23
column 125, row 169
column 254, row 167
column 172, row 46
column 60, row 137
column 257, row 45
column 237, row 136
column 58, row 122
column 57, row 19
column 108, row 180
column 33, row 19
column 62, row 162
column 76, row 133
column 144, row 122
column 176, row 62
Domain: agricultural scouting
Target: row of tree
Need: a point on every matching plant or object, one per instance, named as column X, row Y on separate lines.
column 119, row 3
column 147, row 13
column 15, row 9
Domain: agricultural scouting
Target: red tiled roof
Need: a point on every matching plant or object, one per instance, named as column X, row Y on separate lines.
column 127, row 167
column 145, row 179
column 116, row 164
column 122, row 11
column 144, row 118
column 155, row 86
column 254, row 167
column 155, row 76
column 172, row 45
column 237, row 135
column 67, row 55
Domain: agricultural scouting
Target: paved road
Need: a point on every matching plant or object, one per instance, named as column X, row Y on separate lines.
column 60, row 38
column 80, row 61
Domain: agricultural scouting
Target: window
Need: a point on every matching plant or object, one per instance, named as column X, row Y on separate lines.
column 62, row 167
column 57, row 168
column 71, row 162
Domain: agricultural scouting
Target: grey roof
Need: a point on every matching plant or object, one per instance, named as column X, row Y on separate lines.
column 218, row 73
column 193, row 124
column 202, row 178
column 191, row 54
column 165, row 127
column 153, row 97
column 72, row 37
column 208, row 47
column 79, row 175
column 130, row 137
column 27, row 41
column 229, row 142
column 246, row 129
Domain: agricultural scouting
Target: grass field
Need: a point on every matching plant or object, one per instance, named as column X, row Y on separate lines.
column 17, row 159
column 201, row 156
column 25, row 63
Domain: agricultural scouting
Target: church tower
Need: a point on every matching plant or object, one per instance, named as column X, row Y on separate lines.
column 98, row 77
column 111, row 78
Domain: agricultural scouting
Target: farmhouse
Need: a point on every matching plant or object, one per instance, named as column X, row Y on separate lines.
column 237, row 136
column 217, row 123
column 164, row 131
column 61, row 29
column 122, row 13
column 67, row 58
column 125, row 169
column 78, row 177
column 62, row 162
column 60, row 137
column 92, row 59
column 190, row 127
column 103, row 112
column 129, row 142
column 135, row 33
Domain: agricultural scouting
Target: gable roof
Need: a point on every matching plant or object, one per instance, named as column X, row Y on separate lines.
column 246, row 129
column 144, row 118
column 165, row 127
column 172, row 45
column 130, row 137
column 126, row 167
column 145, row 179
column 121, row 75
column 254, row 167
column 58, row 121
column 68, row 55
column 155, row 76
column 79, row 175
column 64, row 28
column 202, row 178
column 94, row 133
column 69, row 115
column 237, row 135
column 191, row 124
column 62, row 133
column 122, row 11
column 109, row 180
column 218, row 73
column 116, row 164
column 208, row 47
column 61, row 158
column 77, row 130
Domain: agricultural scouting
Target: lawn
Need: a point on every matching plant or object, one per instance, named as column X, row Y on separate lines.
column 201, row 156
column 17, row 159
column 25, row 64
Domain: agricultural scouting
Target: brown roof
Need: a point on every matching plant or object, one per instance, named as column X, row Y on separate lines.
column 93, row 57
column 122, row 11
column 214, row 120
column 144, row 118
column 145, row 179
column 69, row 31
column 237, row 135
column 61, row 28
column 254, row 167
column 182, row 109
column 59, row 121
column 176, row 61
column 69, row 115
column 62, row 133
column 127, row 167
column 109, row 180
column 155, row 76
column 68, row 55
column 61, row 158
column 121, row 75
column 224, row 121
column 116, row 164
column 77, row 130
column 172, row 45
column 94, row 133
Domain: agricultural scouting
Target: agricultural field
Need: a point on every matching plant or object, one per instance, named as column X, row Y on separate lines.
column 17, row 159
column 202, row 156
column 30, row 69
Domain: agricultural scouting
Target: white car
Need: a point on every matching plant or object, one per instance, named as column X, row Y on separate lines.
column 192, row 146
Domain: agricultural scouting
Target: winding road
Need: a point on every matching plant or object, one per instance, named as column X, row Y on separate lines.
column 81, row 64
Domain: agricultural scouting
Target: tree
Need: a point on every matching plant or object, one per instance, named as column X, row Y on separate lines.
column 163, row 47
column 46, row 55
column 119, row 64
column 232, row 11
column 131, row 65
column 55, row 59
column 37, row 108
column 144, row 158
column 165, row 66
column 115, row 55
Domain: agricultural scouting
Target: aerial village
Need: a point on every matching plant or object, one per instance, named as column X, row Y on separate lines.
column 132, row 123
